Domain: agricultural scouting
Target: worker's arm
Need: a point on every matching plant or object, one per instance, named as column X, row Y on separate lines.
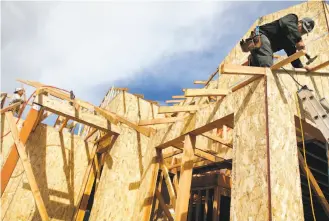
column 289, row 25
column 296, row 63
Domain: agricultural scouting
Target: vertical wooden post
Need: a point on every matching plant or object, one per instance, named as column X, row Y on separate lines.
column 12, row 158
column 198, row 205
column 124, row 101
column 206, row 206
column 156, row 206
column 216, row 204
column 190, row 207
column 185, row 178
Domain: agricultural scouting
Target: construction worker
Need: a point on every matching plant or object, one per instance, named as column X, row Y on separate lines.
column 285, row 33
column 17, row 97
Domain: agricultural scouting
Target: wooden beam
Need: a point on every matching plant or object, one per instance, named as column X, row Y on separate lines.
column 12, row 159
column 105, row 148
column 27, row 167
column 90, row 133
column 288, row 60
column 167, row 179
column 175, row 109
column 200, row 82
column 198, row 206
column 163, row 205
column 205, row 92
column 173, row 101
column 217, row 139
column 160, row 121
column 70, row 112
column 206, row 207
column 216, row 204
column 185, row 178
column 3, row 99
column 87, row 182
column 314, row 184
column 244, row 82
column 139, row 95
column 178, row 97
column 242, row 70
column 171, row 154
column 143, row 130
column 320, row 66
column 211, row 77
column 63, row 125
column 10, row 107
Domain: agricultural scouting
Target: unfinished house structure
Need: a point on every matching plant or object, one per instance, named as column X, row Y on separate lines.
column 251, row 145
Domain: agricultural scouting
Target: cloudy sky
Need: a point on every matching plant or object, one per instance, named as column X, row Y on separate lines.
column 153, row 48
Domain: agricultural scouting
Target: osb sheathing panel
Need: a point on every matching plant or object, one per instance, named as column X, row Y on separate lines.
column 59, row 163
column 125, row 164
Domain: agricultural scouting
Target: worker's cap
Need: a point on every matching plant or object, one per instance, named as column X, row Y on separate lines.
column 308, row 24
column 18, row 89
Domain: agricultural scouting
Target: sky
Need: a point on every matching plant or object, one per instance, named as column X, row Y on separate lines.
column 153, row 48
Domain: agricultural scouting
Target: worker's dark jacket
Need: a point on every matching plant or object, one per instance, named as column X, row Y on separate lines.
column 283, row 34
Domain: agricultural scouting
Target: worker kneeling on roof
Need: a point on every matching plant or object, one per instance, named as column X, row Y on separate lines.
column 284, row 33
column 17, row 98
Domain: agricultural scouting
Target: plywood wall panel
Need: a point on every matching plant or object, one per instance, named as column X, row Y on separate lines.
column 59, row 162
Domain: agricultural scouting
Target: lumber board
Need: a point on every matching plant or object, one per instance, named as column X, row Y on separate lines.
column 12, row 158
column 288, row 60
column 64, row 109
column 216, row 204
column 217, row 139
column 10, row 107
column 173, row 101
column 320, row 66
column 200, row 82
column 211, row 77
column 166, row 177
column 205, row 92
column 244, row 82
column 314, row 184
column 143, row 130
column 178, row 97
column 160, row 121
column 185, row 179
column 163, row 205
column 27, row 167
column 176, row 109
column 242, row 70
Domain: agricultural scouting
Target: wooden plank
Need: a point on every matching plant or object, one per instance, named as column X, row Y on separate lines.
column 88, row 178
column 12, row 159
column 10, row 107
column 173, row 101
column 244, row 82
column 206, row 209
column 167, row 179
column 217, row 139
column 288, row 60
column 160, row 121
column 185, row 178
column 175, row 109
column 90, row 133
column 70, row 112
column 200, row 82
column 63, row 125
column 198, row 206
column 320, row 66
column 103, row 148
column 205, row 92
column 27, row 167
column 172, row 153
column 242, row 70
column 157, row 211
column 3, row 99
column 178, row 97
column 216, row 204
column 211, row 77
column 139, row 95
column 143, row 130
column 314, row 184
column 163, row 205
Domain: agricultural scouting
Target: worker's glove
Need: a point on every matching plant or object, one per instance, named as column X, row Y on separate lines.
column 300, row 45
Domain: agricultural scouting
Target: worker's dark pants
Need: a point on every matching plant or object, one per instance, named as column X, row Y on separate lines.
column 263, row 56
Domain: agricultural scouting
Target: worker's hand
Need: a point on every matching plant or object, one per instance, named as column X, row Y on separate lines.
column 308, row 69
column 300, row 45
